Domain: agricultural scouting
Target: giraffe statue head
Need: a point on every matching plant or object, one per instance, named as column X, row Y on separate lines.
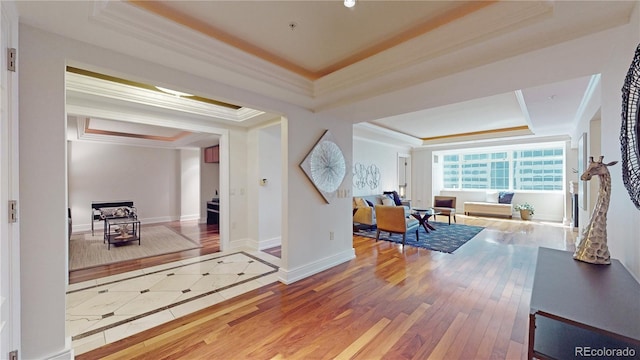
column 596, row 168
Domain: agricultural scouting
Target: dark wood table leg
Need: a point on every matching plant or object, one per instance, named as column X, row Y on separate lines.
column 426, row 222
column 420, row 219
column 532, row 332
column 423, row 220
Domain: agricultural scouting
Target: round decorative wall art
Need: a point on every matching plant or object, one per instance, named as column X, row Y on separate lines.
column 325, row 166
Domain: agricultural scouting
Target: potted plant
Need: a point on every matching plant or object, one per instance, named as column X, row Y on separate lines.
column 526, row 210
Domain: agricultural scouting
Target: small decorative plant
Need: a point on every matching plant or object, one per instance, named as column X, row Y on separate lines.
column 526, row 207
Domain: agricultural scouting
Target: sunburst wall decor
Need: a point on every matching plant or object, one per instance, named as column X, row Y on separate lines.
column 325, row 166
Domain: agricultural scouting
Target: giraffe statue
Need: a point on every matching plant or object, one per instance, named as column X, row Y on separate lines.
column 593, row 244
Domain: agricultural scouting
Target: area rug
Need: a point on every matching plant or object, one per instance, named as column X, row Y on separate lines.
column 446, row 238
column 87, row 251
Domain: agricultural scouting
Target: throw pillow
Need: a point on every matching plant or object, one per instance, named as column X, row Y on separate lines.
column 395, row 197
column 505, row 197
column 109, row 212
column 369, row 203
column 444, row 203
column 388, row 201
column 492, row 197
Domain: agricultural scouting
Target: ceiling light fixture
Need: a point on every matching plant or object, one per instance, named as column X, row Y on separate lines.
column 173, row 92
column 349, row 3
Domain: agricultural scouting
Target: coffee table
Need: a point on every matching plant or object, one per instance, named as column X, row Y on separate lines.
column 423, row 215
column 131, row 233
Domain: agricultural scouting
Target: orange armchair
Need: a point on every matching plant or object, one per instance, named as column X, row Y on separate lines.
column 392, row 219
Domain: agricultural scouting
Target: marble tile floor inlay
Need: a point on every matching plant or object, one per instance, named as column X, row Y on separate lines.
column 105, row 310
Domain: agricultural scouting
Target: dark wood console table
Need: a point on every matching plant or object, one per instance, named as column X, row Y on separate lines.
column 579, row 308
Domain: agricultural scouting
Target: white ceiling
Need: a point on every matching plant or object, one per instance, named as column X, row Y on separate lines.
column 334, row 58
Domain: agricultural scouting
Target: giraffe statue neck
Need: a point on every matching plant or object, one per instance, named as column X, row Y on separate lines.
column 593, row 245
column 602, row 203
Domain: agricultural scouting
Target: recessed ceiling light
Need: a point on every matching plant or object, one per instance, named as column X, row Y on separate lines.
column 349, row 3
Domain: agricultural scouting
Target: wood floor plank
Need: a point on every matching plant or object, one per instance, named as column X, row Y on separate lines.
column 448, row 339
column 515, row 351
column 363, row 340
column 389, row 302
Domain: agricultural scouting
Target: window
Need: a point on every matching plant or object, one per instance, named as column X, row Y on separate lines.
column 513, row 169
column 451, row 172
column 538, row 169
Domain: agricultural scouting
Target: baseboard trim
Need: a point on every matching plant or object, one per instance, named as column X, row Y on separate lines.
column 159, row 219
column 253, row 245
column 190, row 217
column 290, row 276
column 245, row 244
column 66, row 354
column 269, row 243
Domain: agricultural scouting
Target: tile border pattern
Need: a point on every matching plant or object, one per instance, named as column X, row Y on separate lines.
column 166, row 307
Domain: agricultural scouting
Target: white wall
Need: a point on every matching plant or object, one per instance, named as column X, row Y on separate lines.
column 595, row 149
column 10, row 310
column 422, row 177
column 571, row 166
column 43, row 198
column 189, row 184
column 150, row 177
column 265, row 162
column 383, row 156
column 238, row 199
column 308, row 220
column 623, row 224
column 270, row 194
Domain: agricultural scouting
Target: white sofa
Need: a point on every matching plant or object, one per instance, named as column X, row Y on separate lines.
column 488, row 208
column 366, row 215
column 496, row 204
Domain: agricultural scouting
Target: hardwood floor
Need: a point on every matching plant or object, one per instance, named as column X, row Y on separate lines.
column 388, row 302
column 207, row 235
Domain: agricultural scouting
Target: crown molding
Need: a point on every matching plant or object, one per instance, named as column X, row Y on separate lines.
column 238, row 66
column 494, row 143
column 186, row 122
column 84, row 134
column 353, row 80
column 587, row 99
column 112, row 90
column 523, row 107
column 366, row 131
column 485, row 23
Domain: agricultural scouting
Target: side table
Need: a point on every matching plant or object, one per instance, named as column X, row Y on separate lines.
column 131, row 233
column 581, row 310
